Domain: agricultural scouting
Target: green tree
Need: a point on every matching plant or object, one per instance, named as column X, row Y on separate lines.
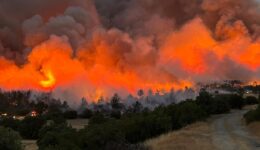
column 58, row 137
column 236, row 101
column 140, row 93
column 137, row 107
column 40, row 107
column 251, row 100
column 9, row 139
column 70, row 114
column 9, row 122
column 97, row 118
column 185, row 113
column 204, row 100
column 101, row 136
column 30, row 127
column 253, row 115
column 87, row 113
column 115, row 102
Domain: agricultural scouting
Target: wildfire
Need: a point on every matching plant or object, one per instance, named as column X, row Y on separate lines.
column 50, row 80
column 79, row 54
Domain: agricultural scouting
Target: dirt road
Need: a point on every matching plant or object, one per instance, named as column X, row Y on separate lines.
column 229, row 133
column 221, row 132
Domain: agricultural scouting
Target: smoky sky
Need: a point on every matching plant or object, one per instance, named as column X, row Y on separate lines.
column 135, row 29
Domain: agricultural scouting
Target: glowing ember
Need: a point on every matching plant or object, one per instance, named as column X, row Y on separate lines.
column 33, row 114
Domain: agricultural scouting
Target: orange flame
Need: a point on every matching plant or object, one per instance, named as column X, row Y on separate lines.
column 102, row 67
column 50, row 80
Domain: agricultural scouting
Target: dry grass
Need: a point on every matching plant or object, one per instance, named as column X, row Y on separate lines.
column 194, row 137
column 78, row 123
column 250, row 107
column 29, row 145
column 254, row 128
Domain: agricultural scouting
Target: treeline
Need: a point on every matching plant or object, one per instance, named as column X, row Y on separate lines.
column 21, row 103
column 132, row 128
column 121, row 131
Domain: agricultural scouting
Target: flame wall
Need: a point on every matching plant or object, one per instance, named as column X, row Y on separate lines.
column 90, row 48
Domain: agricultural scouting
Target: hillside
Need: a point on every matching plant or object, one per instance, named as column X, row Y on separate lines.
column 226, row 131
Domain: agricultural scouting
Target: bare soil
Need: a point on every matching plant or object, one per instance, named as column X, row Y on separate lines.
column 78, row 123
column 254, row 128
column 29, row 145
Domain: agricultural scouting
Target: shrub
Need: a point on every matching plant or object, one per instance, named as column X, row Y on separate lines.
column 87, row 113
column 9, row 122
column 70, row 114
column 30, row 126
column 141, row 127
column 9, row 139
column 236, row 101
column 115, row 102
column 219, row 105
column 115, row 114
column 98, row 118
column 57, row 117
column 251, row 100
column 204, row 100
column 185, row 113
column 253, row 115
column 58, row 136
column 101, row 136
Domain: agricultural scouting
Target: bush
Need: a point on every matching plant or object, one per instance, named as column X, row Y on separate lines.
column 30, row 126
column 253, row 115
column 115, row 114
column 9, row 139
column 214, row 105
column 236, row 101
column 185, row 113
column 101, row 136
column 58, row 136
column 141, row 127
column 9, row 122
column 87, row 113
column 57, row 117
column 98, row 118
column 105, row 133
column 219, row 105
column 251, row 100
column 70, row 114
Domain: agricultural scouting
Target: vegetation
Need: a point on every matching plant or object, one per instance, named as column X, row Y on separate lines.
column 9, row 139
column 108, row 132
column 58, row 136
column 251, row 100
column 185, row 113
column 70, row 114
column 253, row 115
column 9, row 122
column 30, row 126
column 87, row 113
column 112, row 125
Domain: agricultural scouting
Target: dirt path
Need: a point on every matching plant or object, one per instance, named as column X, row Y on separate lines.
column 221, row 132
column 29, row 145
column 229, row 133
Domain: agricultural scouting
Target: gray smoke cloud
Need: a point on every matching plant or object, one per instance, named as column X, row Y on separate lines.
column 164, row 41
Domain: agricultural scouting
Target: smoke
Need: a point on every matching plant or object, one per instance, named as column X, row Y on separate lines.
column 77, row 48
